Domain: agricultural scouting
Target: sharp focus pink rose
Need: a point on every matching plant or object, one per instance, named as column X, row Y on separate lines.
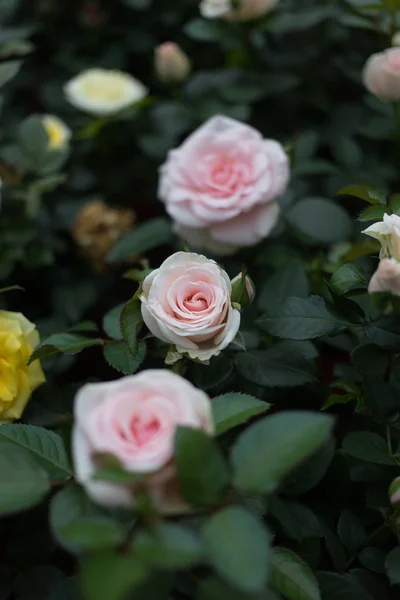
column 135, row 419
column 381, row 74
column 386, row 278
column 186, row 303
column 224, row 180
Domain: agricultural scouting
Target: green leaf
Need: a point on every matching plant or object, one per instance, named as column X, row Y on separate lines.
column 212, row 375
column 202, row 470
column 394, row 203
column 298, row 521
column 292, row 577
column 230, row 410
column 131, row 321
column 321, row 220
column 24, row 483
column 365, row 192
column 45, row 446
column 67, row 343
column 349, row 277
column 385, row 332
column 370, row 360
column 392, row 565
column 373, row 559
column 239, row 548
column 8, row 70
column 141, row 239
column 92, row 533
column 339, row 587
column 68, row 505
column 276, row 367
column 170, row 546
column 119, row 357
column 288, row 281
column 203, row 30
column 112, row 322
column 269, row 449
column 110, row 576
column 367, row 446
column 33, row 141
column 302, row 319
column 351, row 531
column 309, row 474
column 372, row 213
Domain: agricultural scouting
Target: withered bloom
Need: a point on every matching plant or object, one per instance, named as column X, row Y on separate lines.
column 98, row 227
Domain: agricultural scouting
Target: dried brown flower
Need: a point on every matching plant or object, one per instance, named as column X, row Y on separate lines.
column 98, row 227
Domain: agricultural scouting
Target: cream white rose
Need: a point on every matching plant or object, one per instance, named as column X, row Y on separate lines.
column 186, row 302
column 57, row 131
column 104, row 92
column 135, row 419
column 387, row 232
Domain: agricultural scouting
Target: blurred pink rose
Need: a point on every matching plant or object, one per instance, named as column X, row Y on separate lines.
column 381, row 74
column 225, row 179
column 135, row 419
column 386, row 278
column 186, row 302
column 247, row 9
column 171, row 63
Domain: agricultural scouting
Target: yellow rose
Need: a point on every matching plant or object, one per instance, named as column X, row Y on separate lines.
column 58, row 133
column 18, row 339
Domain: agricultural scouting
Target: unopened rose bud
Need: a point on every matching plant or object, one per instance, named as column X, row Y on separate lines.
column 381, row 74
column 394, row 492
column 396, row 39
column 386, row 278
column 171, row 63
column 243, row 290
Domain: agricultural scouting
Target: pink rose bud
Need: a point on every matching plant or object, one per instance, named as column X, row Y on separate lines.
column 243, row 290
column 187, row 303
column 171, row 63
column 134, row 421
column 381, row 74
column 386, row 278
column 394, row 492
column 225, row 180
column 236, row 10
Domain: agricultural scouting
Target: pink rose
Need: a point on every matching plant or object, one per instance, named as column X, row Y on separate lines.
column 381, row 74
column 135, row 419
column 224, row 180
column 186, row 302
column 386, row 278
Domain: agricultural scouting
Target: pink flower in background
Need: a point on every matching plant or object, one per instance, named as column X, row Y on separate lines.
column 225, row 180
column 381, row 74
column 245, row 11
column 187, row 303
column 171, row 63
column 386, row 278
column 135, row 419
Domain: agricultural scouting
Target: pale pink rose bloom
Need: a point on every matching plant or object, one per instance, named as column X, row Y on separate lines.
column 246, row 11
column 386, row 278
column 381, row 74
column 224, row 179
column 135, row 419
column 186, row 303
column 171, row 63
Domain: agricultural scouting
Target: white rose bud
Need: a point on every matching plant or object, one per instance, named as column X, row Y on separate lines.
column 103, row 92
column 171, row 63
column 386, row 278
column 381, row 74
column 240, row 10
column 387, row 232
column 58, row 133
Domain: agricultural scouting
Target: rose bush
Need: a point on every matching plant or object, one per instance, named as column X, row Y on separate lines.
column 209, row 427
